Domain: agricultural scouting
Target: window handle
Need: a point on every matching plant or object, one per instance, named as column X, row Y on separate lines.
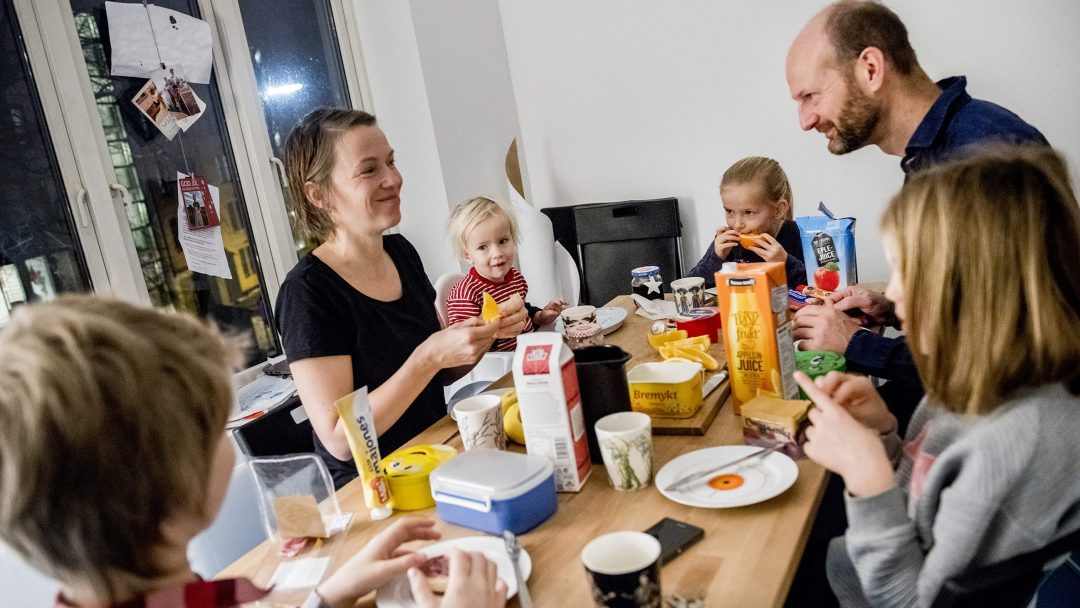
column 125, row 196
column 280, row 166
column 84, row 210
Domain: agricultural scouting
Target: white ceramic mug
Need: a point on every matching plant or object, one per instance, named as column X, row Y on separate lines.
column 689, row 293
column 625, row 440
column 578, row 314
column 624, row 569
column 480, row 421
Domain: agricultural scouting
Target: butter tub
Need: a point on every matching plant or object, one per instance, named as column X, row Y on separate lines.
column 670, row 389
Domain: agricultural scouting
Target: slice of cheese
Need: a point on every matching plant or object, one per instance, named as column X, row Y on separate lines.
column 490, row 311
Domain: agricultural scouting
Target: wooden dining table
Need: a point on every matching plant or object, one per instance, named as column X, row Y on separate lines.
column 747, row 557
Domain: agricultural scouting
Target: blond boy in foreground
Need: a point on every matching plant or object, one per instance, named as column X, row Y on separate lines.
column 113, row 457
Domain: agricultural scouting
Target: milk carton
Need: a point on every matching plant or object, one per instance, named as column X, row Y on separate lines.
column 753, row 302
column 545, row 378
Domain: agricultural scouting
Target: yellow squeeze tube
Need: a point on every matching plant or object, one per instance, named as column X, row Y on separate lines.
column 355, row 412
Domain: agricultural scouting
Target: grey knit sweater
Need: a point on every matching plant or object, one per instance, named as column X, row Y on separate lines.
column 969, row 491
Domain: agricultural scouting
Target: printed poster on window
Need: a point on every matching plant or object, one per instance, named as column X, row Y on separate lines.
column 143, row 37
column 203, row 248
column 199, row 208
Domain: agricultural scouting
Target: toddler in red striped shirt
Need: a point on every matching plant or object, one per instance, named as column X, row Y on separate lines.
column 486, row 236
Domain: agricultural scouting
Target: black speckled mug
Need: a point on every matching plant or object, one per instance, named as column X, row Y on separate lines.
column 624, row 570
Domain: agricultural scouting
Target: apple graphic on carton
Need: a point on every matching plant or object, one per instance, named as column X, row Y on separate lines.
column 827, row 277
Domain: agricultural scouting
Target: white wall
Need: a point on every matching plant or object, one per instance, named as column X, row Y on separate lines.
column 22, row 585
column 463, row 55
column 621, row 99
column 388, row 39
column 442, row 93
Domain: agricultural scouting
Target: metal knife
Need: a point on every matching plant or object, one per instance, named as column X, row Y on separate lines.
column 513, row 549
column 699, row 474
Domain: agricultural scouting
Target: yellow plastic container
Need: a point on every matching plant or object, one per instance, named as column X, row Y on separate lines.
column 671, row 389
column 407, row 471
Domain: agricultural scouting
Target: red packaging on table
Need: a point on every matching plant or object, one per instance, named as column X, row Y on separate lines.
column 798, row 300
column 703, row 321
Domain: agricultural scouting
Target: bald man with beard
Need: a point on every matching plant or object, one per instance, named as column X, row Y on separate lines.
column 856, row 80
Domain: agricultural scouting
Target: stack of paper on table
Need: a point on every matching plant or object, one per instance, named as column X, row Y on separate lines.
column 261, row 395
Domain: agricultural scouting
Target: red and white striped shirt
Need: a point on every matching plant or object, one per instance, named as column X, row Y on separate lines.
column 467, row 298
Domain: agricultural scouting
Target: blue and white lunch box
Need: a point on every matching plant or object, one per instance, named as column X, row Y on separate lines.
column 494, row 490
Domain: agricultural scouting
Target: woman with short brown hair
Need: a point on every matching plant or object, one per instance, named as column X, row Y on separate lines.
column 360, row 310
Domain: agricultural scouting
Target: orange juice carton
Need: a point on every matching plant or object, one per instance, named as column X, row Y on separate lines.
column 753, row 301
column 546, row 382
column 768, row 421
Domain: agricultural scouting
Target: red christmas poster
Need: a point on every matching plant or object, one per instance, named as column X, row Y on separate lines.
column 199, row 207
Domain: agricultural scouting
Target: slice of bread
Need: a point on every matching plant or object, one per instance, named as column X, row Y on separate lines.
column 437, row 571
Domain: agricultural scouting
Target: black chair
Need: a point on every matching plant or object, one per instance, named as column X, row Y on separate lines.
column 283, row 430
column 1012, row 582
column 607, row 240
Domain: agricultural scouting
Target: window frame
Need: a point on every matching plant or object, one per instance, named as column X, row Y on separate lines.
column 90, row 198
column 79, row 141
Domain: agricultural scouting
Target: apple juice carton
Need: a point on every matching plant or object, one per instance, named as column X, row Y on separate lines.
column 828, row 249
column 546, row 382
column 753, row 301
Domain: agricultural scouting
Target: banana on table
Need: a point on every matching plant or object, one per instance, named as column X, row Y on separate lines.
column 512, row 417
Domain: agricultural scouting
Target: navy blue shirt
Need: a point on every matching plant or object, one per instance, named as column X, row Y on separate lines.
column 955, row 125
column 787, row 236
column 956, row 122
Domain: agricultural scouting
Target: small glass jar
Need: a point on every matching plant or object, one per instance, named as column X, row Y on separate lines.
column 584, row 334
column 647, row 282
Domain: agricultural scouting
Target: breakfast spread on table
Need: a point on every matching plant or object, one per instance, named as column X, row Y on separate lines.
column 495, row 490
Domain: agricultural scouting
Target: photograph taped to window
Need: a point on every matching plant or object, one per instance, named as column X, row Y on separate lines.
column 199, row 208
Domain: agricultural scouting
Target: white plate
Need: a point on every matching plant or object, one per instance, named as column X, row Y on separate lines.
column 763, row 478
column 397, row 594
column 711, row 291
column 609, row 319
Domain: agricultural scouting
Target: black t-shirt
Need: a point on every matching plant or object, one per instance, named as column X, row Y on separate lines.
column 321, row 315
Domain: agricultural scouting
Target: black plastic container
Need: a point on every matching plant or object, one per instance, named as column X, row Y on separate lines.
column 601, row 374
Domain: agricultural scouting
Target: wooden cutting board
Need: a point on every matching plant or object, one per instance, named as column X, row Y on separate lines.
column 632, row 337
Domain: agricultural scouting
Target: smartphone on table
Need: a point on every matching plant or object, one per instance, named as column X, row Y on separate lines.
column 674, row 536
